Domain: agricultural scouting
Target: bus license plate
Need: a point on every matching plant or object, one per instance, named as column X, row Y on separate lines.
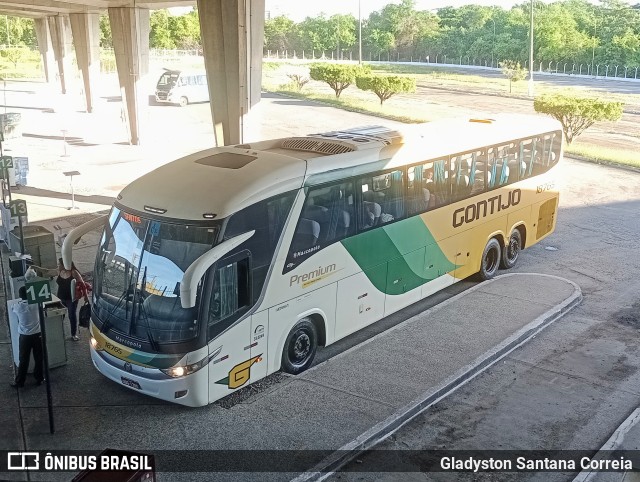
column 130, row 383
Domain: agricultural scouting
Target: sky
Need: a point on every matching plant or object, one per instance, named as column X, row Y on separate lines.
column 297, row 10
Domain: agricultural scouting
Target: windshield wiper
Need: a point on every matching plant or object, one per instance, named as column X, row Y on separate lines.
column 152, row 341
column 106, row 325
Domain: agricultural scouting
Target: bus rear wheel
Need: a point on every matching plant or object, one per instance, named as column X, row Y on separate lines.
column 300, row 347
column 183, row 102
column 511, row 251
column 490, row 260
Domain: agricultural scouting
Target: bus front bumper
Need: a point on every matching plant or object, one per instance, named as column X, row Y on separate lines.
column 191, row 390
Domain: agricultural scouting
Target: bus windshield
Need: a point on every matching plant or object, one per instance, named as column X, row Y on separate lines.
column 140, row 265
column 168, row 80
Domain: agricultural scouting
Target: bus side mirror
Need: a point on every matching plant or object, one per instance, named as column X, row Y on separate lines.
column 195, row 272
column 74, row 236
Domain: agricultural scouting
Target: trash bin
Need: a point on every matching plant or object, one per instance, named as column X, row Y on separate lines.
column 55, row 313
column 10, row 124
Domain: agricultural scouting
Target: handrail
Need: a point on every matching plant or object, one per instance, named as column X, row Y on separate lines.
column 74, row 236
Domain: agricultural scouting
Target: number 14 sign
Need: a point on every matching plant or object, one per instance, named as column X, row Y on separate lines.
column 38, row 291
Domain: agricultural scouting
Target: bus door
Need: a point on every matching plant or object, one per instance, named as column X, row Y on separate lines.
column 229, row 329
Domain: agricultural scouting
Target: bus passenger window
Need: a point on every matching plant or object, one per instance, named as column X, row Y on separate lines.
column 381, row 199
column 327, row 216
column 467, row 175
column 498, row 166
column 441, row 187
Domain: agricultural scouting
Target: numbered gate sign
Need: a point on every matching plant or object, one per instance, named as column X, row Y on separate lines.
column 18, row 207
column 6, row 162
column 38, row 291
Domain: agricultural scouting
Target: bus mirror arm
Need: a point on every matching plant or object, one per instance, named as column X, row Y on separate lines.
column 195, row 272
column 74, row 236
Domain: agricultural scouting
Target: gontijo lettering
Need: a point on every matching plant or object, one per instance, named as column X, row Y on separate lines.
column 478, row 210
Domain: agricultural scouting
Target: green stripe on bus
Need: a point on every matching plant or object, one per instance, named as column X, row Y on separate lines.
column 399, row 257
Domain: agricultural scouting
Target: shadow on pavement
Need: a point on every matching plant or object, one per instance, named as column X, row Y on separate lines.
column 95, row 199
column 76, row 141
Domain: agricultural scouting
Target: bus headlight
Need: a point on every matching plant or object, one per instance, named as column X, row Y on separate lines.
column 183, row 370
column 94, row 344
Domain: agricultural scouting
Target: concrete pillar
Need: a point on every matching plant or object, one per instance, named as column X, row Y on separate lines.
column 61, row 40
column 232, row 33
column 130, row 33
column 44, row 46
column 86, row 40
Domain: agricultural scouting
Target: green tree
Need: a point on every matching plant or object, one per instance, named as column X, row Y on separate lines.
column 315, row 34
column 576, row 114
column 338, row 76
column 159, row 33
column 185, row 30
column 386, row 86
column 15, row 55
column 343, row 29
column 513, row 71
column 106, row 41
column 278, row 33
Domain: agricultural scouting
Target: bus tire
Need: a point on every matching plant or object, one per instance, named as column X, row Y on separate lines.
column 183, row 101
column 511, row 251
column 490, row 260
column 300, row 347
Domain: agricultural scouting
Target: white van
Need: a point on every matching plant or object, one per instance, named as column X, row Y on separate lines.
column 182, row 87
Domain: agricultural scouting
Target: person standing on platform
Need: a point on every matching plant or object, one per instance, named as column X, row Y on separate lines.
column 30, row 339
column 67, row 295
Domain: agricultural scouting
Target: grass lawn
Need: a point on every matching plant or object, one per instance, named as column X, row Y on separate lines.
column 414, row 108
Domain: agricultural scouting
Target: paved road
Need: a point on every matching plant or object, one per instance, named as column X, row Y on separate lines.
column 576, row 382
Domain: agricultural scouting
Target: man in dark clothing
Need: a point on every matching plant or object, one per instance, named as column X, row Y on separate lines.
column 30, row 339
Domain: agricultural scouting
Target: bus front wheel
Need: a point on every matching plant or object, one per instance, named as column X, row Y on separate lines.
column 300, row 347
column 490, row 260
column 511, row 251
column 183, row 102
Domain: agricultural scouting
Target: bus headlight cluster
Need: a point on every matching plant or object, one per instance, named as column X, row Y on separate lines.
column 183, row 370
column 94, row 344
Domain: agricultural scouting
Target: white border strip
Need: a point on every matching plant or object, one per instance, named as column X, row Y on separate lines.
column 614, row 442
column 382, row 430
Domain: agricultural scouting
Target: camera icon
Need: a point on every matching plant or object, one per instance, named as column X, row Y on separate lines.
column 23, row 460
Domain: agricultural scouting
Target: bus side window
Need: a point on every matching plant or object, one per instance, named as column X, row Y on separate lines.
column 497, row 167
column 381, row 199
column 327, row 216
column 230, row 295
column 465, row 176
column 441, row 186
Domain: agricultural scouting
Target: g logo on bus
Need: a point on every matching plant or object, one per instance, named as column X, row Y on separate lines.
column 240, row 374
column 128, row 367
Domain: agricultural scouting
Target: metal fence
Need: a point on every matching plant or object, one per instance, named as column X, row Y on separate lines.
column 568, row 68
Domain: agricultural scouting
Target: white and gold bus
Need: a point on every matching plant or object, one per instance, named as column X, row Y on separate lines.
column 227, row 265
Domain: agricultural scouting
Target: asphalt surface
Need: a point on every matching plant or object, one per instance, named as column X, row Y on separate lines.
column 571, row 386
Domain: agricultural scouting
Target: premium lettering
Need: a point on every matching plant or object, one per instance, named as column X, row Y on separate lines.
column 481, row 209
column 311, row 275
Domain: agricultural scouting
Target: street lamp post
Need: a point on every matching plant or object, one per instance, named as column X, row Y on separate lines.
column 531, row 54
column 493, row 45
column 593, row 48
column 359, row 31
